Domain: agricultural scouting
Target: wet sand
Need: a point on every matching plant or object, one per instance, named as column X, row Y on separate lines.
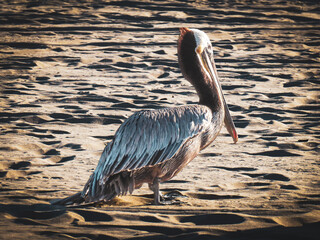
column 71, row 73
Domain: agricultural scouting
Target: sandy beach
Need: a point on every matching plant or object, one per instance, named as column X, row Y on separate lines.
column 71, row 73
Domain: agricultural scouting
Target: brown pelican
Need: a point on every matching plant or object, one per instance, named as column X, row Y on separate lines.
column 152, row 146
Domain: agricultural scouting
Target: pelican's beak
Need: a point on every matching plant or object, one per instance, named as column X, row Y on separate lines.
column 209, row 66
column 229, row 123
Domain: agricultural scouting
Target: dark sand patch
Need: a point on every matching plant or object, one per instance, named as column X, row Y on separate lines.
column 72, row 72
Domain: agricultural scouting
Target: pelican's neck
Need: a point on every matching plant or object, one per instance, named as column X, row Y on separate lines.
column 208, row 95
column 192, row 70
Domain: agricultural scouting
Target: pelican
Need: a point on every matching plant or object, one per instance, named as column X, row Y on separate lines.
column 153, row 146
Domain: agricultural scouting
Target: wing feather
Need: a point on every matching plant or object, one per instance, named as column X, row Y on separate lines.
column 148, row 138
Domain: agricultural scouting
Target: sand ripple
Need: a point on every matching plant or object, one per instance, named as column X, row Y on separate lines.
column 72, row 72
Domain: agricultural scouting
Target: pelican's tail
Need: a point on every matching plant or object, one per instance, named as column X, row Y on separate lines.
column 116, row 185
column 93, row 192
column 74, row 199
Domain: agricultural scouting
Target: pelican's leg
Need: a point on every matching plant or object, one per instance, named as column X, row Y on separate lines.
column 155, row 188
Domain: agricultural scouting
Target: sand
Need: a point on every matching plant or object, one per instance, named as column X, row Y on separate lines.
column 71, row 73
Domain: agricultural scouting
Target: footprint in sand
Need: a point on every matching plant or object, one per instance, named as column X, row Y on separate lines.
column 213, row 219
column 208, row 196
column 269, row 176
column 15, row 170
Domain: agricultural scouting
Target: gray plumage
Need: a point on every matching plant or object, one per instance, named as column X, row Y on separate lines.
column 149, row 139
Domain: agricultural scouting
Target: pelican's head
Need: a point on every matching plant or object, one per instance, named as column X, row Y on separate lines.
column 198, row 67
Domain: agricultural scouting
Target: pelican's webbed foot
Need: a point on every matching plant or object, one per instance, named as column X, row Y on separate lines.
column 172, row 197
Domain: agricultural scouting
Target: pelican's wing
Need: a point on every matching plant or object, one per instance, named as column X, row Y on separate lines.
column 148, row 138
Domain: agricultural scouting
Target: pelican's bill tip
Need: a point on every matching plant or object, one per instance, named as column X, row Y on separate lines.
column 235, row 136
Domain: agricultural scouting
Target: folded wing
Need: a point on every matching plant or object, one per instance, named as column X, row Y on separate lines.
column 148, row 138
